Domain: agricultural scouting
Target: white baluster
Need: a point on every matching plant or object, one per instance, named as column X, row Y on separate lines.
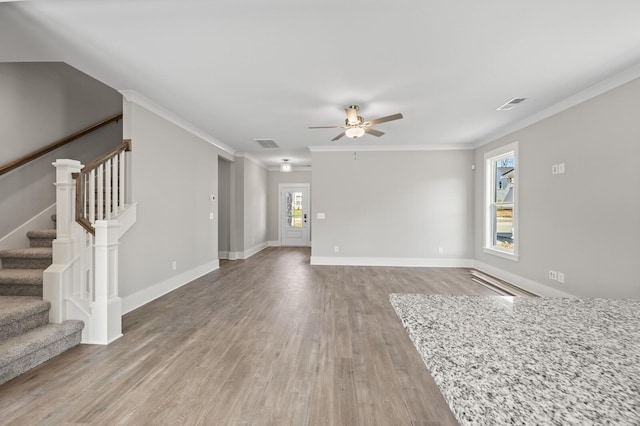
column 114, row 186
column 100, row 193
column 121, row 183
column 107, row 189
column 90, row 196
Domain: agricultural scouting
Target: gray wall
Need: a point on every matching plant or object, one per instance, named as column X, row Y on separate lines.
column 41, row 103
column 586, row 222
column 224, row 206
column 255, row 203
column 174, row 175
column 393, row 204
column 273, row 197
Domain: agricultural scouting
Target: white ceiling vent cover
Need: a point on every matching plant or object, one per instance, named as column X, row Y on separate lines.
column 267, row 143
column 510, row 105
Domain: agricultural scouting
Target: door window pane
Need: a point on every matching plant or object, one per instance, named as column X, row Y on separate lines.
column 294, row 209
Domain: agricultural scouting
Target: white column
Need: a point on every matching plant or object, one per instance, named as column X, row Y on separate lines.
column 106, row 309
column 67, row 243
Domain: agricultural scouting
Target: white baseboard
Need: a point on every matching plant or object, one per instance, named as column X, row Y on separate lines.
column 392, row 261
column 522, row 282
column 253, row 250
column 273, row 243
column 142, row 297
column 241, row 255
column 18, row 237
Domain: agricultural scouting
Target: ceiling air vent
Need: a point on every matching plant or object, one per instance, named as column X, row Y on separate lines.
column 511, row 104
column 267, row 143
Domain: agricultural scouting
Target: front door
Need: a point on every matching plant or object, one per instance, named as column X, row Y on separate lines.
column 294, row 215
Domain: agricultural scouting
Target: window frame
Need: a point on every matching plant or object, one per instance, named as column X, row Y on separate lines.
column 490, row 160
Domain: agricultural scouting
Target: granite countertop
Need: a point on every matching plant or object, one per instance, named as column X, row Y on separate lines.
column 518, row 360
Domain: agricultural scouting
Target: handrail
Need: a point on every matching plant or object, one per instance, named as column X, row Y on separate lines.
column 57, row 144
column 100, row 187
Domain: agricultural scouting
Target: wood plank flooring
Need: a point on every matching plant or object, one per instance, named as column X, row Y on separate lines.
column 266, row 341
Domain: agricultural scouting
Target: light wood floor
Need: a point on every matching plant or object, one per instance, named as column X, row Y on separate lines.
column 266, row 341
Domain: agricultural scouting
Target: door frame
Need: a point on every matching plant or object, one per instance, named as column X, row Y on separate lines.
column 280, row 202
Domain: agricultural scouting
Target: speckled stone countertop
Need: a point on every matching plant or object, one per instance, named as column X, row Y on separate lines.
column 529, row 361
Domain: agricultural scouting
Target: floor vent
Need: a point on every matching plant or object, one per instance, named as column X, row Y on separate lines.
column 495, row 284
column 267, row 143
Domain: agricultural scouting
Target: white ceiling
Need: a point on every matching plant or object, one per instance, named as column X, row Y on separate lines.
column 241, row 70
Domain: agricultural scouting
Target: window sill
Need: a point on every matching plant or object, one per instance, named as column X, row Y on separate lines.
column 502, row 254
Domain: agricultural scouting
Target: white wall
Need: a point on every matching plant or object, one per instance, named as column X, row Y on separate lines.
column 392, row 207
column 174, row 175
column 41, row 103
column 273, row 196
column 586, row 222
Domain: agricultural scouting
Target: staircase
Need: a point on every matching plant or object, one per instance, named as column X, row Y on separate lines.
column 26, row 337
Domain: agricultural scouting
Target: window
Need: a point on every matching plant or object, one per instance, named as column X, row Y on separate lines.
column 501, row 199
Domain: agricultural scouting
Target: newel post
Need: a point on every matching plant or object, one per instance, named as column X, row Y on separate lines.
column 107, row 306
column 66, row 246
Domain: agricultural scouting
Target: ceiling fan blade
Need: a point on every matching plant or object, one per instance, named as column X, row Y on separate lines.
column 327, row 127
column 373, row 132
column 383, row 119
column 338, row 137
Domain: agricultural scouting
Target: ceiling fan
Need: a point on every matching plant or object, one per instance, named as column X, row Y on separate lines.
column 356, row 126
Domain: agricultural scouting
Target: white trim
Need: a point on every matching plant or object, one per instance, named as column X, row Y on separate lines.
column 522, row 282
column 590, row 92
column 139, row 99
column 252, row 158
column 253, row 250
column 273, row 243
column 392, row 261
column 503, row 254
column 386, row 148
column 489, row 182
column 294, row 185
column 142, row 297
column 18, row 237
column 223, row 255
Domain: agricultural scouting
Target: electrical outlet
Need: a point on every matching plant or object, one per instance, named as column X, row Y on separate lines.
column 211, row 216
column 560, row 277
column 554, row 169
column 561, row 168
column 440, row 250
column 553, row 275
column 336, row 249
column 174, row 265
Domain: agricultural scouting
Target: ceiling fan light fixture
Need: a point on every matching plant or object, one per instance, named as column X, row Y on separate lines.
column 354, row 132
column 285, row 166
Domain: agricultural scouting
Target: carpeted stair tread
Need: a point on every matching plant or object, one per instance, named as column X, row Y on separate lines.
column 42, row 233
column 20, row 314
column 31, row 253
column 27, row 258
column 15, row 308
column 41, row 237
column 21, row 276
column 21, row 353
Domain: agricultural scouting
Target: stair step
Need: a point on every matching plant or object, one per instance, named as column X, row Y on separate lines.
column 41, row 237
column 21, row 314
column 21, row 282
column 27, row 258
column 21, row 353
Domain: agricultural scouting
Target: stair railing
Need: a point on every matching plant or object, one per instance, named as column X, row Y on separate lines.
column 57, row 144
column 100, row 188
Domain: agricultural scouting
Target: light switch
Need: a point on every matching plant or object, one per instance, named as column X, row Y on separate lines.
column 320, row 216
column 561, row 168
column 211, row 216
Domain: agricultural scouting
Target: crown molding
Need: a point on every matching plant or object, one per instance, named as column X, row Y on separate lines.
column 388, row 148
column 139, row 99
column 252, row 159
column 582, row 96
